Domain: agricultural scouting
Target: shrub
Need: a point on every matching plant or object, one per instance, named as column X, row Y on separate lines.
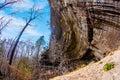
column 83, row 65
column 100, row 62
column 1, row 49
column 25, row 68
column 108, row 66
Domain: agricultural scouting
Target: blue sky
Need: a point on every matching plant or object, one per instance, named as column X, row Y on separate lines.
column 38, row 28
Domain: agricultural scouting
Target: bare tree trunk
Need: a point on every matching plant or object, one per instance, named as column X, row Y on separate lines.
column 14, row 47
column 34, row 14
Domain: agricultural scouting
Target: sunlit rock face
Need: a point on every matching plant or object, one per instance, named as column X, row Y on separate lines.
column 69, row 25
column 82, row 27
column 78, row 26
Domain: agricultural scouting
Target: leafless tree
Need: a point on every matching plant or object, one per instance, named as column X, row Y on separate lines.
column 6, row 3
column 3, row 20
column 33, row 15
column 4, row 23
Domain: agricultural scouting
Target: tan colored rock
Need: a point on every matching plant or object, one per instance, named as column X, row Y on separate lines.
column 80, row 29
column 95, row 71
column 78, row 26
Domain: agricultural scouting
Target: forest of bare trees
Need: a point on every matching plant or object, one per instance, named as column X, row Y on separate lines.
column 17, row 57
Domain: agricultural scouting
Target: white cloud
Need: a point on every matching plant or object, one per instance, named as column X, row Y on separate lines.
column 1, row 1
column 16, row 26
column 27, row 4
column 31, row 31
column 14, row 20
column 18, row 21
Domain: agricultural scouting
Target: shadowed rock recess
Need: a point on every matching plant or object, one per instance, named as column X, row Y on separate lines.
column 81, row 31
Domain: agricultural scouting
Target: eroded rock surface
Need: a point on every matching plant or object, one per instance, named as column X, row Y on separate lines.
column 80, row 28
column 95, row 71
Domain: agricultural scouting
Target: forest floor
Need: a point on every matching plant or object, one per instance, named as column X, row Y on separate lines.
column 106, row 69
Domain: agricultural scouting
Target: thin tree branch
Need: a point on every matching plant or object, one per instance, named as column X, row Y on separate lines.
column 6, row 3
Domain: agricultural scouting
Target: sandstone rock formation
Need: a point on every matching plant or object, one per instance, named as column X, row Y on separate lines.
column 82, row 28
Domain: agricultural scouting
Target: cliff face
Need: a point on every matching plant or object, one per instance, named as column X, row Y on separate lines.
column 82, row 28
column 79, row 28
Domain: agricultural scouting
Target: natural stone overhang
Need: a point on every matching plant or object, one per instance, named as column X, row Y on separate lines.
column 79, row 31
column 72, row 18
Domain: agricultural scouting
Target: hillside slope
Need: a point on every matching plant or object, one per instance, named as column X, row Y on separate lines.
column 95, row 71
